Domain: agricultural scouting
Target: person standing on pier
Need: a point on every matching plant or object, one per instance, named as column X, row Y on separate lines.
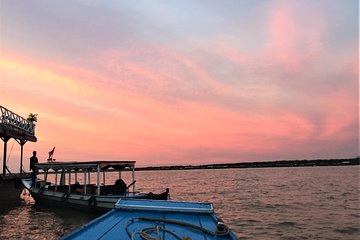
column 33, row 169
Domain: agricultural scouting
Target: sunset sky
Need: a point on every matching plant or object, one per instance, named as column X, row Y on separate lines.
column 183, row 82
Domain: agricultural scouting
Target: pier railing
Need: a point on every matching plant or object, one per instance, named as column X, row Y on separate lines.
column 10, row 118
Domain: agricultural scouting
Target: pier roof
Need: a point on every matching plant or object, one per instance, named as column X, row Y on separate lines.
column 15, row 126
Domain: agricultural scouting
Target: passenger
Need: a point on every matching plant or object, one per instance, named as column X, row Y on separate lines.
column 120, row 187
column 33, row 161
column 78, row 188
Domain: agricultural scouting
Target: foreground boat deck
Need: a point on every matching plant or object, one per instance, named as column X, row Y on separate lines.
column 165, row 219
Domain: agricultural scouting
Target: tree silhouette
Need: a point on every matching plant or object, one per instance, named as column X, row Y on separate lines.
column 32, row 117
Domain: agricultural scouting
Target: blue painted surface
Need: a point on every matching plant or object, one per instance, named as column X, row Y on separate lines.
column 128, row 222
column 167, row 206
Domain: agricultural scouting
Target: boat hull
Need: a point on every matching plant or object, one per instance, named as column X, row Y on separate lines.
column 135, row 219
column 98, row 203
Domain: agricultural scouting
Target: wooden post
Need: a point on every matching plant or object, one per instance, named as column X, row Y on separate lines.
column 5, row 139
column 22, row 143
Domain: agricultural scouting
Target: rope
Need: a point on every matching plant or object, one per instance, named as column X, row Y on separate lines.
column 10, row 151
column 145, row 233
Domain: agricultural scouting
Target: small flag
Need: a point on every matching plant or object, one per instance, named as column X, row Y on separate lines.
column 51, row 153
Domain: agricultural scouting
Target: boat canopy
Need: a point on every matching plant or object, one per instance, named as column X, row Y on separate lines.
column 92, row 165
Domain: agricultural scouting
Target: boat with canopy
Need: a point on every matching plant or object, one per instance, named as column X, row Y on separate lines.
column 74, row 184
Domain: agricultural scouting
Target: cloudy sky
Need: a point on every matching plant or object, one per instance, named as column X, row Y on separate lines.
column 183, row 82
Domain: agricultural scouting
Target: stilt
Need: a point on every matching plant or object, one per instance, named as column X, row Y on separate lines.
column 5, row 139
column 22, row 143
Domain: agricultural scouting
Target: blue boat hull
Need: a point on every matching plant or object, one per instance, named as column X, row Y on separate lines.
column 165, row 220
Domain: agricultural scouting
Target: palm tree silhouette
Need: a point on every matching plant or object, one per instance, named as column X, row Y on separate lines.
column 32, row 117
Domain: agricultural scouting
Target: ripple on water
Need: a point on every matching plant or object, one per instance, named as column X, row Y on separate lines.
column 348, row 230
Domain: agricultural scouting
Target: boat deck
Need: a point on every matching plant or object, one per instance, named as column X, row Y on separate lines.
column 165, row 219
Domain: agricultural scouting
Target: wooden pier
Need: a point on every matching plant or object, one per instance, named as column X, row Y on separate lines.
column 22, row 130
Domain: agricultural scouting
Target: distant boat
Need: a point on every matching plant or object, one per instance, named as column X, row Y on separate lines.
column 160, row 220
column 89, row 196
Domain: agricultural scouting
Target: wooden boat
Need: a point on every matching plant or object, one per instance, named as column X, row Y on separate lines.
column 99, row 196
column 162, row 220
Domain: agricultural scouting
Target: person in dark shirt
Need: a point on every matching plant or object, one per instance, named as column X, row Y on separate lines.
column 33, row 169
column 120, row 187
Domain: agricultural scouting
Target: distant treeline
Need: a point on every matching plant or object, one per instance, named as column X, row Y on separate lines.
column 280, row 163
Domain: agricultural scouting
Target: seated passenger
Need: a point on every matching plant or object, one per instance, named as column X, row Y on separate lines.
column 78, row 188
column 119, row 187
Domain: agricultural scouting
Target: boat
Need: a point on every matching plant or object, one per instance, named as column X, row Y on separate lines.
column 137, row 219
column 68, row 191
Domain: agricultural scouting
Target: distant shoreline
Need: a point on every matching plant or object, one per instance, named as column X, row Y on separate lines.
column 280, row 163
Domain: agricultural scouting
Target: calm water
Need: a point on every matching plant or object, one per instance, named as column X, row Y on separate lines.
column 268, row 203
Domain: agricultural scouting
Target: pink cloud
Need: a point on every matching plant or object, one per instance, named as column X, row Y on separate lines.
column 293, row 43
column 153, row 103
column 164, row 68
column 141, row 126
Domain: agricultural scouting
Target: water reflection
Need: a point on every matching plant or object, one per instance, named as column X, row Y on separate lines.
column 26, row 197
column 29, row 221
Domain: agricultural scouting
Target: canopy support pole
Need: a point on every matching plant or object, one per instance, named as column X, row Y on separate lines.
column 69, row 180
column 98, row 180
column 56, row 180
column 104, row 178
column 133, row 178
column 85, row 182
